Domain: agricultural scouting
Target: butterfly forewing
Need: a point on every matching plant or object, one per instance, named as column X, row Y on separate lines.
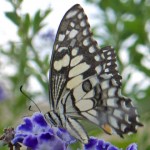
column 85, row 83
column 75, row 55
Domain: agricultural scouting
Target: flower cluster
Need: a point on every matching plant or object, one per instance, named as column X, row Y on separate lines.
column 36, row 134
column 97, row 144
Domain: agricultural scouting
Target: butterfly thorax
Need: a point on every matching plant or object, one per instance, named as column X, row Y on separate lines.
column 54, row 118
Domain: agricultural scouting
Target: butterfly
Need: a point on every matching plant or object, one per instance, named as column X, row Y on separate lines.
column 84, row 83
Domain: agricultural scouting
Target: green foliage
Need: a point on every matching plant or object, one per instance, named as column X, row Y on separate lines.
column 21, row 54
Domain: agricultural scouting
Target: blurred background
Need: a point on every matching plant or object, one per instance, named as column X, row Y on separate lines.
column 27, row 33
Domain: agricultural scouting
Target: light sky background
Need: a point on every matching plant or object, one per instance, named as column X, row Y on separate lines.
column 8, row 30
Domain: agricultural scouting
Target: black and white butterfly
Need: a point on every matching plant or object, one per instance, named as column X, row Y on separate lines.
column 85, row 83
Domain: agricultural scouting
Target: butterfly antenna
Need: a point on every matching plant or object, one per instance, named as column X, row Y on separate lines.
column 21, row 87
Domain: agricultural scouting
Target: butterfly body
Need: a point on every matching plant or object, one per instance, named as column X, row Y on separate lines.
column 85, row 83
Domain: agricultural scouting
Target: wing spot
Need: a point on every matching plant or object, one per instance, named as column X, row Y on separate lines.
column 97, row 58
column 64, row 62
column 74, row 51
column 112, row 102
column 93, row 112
column 123, row 127
column 85, row 32
column 108, row 64
column 72, row 44
column 83, row 23
column 71, row 14
column 87, row 86
column 56, row 47
column 109, row 58
column 111, row 92
column 81, row 68
column 118, row 113
column 90, row 117
column 89, row 94
column 124, row 105
column 72, row 24
column 105, row 76
column 78, row 93
column 105, row 84
column 84, row 105
column 113, row 122
column 98, row 69
column 114, row 83
column 62, row 49
column 61, row 37
column 67, row 32
column 73, row 33
column 57, row 65
column 80, row 15
column 76, row 60
column 107, row 128
column 74, row 82
column 109, row 53
column 127, row 119
column 91, row 49
column 86, row 42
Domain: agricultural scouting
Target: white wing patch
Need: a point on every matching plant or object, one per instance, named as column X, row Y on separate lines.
column 80, row 15
column 74, row 81
column 92, row 49
column 83, row 23
column 61, row 37
column 86, row 42
column 76, row 60
column 84, row 105
column 62, row 49
column 97, row 58
column 79, row 69
column 112, row 102
column 73, row 33
column 64, row 62
column 74, row 51
column 71, row 14
column 98, row 69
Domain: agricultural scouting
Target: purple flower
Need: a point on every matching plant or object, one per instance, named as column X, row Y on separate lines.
column 49, row 35
column 132, row 147
column 2, row 94
column 97, row 144
column 36, row 134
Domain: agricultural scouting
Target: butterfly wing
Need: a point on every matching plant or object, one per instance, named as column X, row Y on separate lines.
column 84, row 79
column 75, row 54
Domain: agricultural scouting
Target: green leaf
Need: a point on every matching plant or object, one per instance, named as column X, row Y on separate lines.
column 38, row 18
column 27, row 23
column 13, row 17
